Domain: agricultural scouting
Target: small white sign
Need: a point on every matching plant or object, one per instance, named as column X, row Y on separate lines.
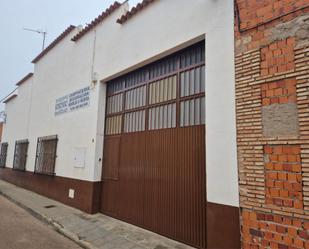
column 79, row 157
column 71, row 193
column 73, row 101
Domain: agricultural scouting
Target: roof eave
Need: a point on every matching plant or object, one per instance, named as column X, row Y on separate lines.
column 23, row 80
column 13, row 96
column 97, row 20
column 54, row 43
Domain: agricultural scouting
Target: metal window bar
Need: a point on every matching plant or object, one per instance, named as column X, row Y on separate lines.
column 46, row 155
column 20, row 155
column 3, row 154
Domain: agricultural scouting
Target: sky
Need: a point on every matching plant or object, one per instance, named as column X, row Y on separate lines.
column 18, row 47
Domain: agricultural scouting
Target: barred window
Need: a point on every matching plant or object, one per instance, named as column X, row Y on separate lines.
column 46, row 155
column 20, row 155
column 3, row 153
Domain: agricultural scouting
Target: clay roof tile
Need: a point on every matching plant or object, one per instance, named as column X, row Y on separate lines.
column 97, row 20
column 139, row 7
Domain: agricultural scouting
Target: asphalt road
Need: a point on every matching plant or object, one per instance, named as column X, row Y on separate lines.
column 20, row 230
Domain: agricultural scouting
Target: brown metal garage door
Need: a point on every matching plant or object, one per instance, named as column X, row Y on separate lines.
column 154, row 147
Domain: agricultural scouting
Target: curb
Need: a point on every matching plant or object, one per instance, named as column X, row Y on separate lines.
column 50, row 222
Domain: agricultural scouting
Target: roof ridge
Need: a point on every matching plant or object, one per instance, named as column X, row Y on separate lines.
column 54, row 43
column 97, row 20
column 134, row 11
column 28, row 76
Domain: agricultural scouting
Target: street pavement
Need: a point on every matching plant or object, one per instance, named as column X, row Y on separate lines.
column 89, row 231
column 20, row 230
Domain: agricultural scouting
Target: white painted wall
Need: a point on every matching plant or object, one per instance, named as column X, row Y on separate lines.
column 221, row 147
column 17, row 120
column 62, row 71
column 163, row 27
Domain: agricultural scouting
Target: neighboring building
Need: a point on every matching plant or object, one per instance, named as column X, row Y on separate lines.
column 272, row 105
column 135, row 116
column 1, row 130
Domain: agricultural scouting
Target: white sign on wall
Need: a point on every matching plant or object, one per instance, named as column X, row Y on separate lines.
column 73, row 101
column 79, row 157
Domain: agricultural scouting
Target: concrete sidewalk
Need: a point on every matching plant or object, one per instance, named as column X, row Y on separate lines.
column 89, row 231
column 15, row 233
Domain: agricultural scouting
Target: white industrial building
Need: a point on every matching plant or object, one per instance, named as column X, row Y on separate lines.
column 54, row 135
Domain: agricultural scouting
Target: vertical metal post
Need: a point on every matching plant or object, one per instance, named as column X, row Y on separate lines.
column 44, row 36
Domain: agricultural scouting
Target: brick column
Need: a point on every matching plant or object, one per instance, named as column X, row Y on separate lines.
column 272, row 106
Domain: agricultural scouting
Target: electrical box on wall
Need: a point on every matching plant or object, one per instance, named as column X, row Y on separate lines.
column 79, row 157
column 71, row 193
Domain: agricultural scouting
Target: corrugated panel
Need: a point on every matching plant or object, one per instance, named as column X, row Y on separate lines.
column 163, row 67
column 114, row 103
column 131, row 177
column 162, row 117
column 113, row 125
column 161, row 171
column 134, row 121
column 192, row 112
column 162, row 90
column 136, row 77
column 192, row 56
column 188, row 57
column 161, row 184
column 117, row 86
column 192, row 81
column 111, row 158
column 136, row 98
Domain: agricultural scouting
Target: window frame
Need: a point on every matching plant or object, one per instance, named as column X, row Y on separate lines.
column 5, row 155
column 38, row 168
column 17, row 167
column 153, row 76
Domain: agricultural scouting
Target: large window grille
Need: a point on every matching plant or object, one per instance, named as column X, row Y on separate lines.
column 169, row 93
column 46, row 154
column 3, row 154
column 20, row 155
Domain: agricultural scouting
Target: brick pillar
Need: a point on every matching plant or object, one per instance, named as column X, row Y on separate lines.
column 272, row 106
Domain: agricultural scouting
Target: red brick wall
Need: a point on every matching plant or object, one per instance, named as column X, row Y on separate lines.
column 255, row 12
column 279, row 92
column 272, row 112
column 283, row 176
column 265, row 230
column 278, row 57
